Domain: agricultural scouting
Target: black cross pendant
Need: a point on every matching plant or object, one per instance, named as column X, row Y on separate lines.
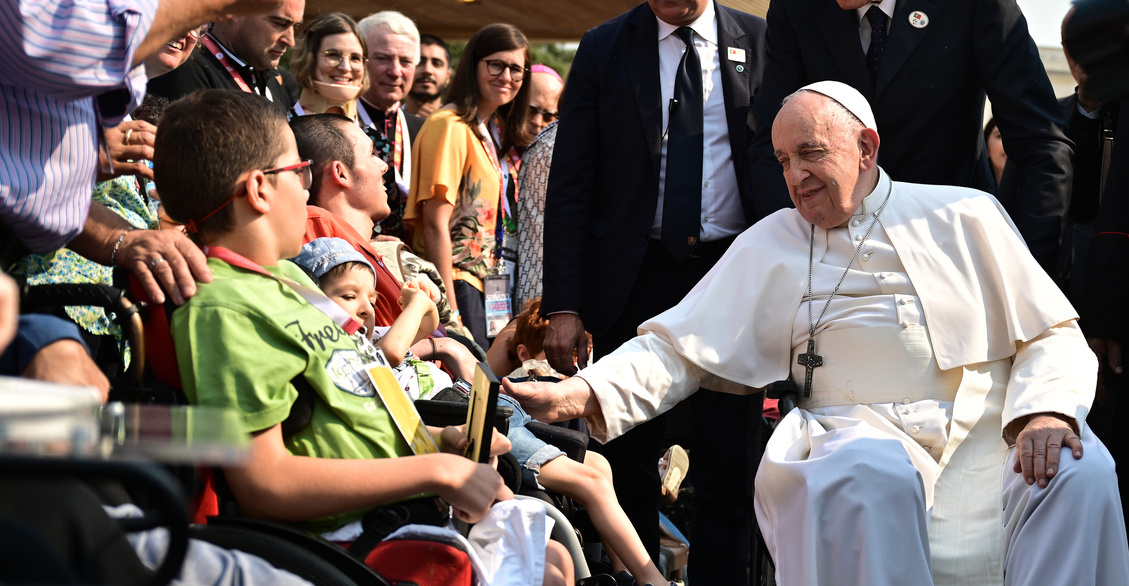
column 810, row 361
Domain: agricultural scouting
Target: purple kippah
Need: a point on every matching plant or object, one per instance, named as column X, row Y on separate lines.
column 539, row 68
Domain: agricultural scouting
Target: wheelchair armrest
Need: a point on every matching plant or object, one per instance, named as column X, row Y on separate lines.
column 786, row 392
column 112, row 299
column 572, row 442
column 444, row 413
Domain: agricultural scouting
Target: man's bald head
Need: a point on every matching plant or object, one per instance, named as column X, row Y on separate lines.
column 828, row 154
column 544, row 94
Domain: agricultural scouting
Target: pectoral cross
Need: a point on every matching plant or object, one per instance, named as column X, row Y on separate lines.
column 810, row 361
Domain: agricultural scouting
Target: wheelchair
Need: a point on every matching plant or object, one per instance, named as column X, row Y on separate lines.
column 153, row 378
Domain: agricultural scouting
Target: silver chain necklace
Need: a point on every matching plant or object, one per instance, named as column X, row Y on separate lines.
column 810, row 360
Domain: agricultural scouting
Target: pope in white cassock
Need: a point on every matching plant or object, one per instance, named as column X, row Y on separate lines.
column 930, row 341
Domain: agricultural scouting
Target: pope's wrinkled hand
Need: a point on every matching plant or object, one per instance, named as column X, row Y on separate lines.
column 1039, row 445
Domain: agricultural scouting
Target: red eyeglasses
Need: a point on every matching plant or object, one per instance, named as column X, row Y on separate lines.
column 304, row 170
column 305, row 175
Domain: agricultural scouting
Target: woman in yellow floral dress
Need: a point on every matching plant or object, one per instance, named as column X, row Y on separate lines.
column 457, row 173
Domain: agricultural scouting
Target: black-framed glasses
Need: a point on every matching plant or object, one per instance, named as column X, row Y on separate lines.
column 200, row 31
column 495, row 67
column 334, row 58
column 303, row 169
column 546, row 115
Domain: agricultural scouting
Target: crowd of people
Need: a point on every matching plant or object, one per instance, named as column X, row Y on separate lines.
column 704, row 205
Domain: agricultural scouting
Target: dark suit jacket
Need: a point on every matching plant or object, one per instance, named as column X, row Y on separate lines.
column 603, row 185
column 202, row 70
column 929, row 99
column 1105, row 309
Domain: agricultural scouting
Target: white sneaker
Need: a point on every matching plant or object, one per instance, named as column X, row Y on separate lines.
column 673, row 467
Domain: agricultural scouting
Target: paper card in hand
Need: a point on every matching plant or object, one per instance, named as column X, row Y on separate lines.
column 480, row 414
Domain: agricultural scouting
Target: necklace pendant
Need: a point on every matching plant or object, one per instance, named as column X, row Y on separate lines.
column 810, row 361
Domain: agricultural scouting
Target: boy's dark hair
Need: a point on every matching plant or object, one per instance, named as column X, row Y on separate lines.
column 430, row 39
column 321, row 138
column 463, row 92
column 331, row 276
column 530, row 330
column 205, row 141
column 151, row 109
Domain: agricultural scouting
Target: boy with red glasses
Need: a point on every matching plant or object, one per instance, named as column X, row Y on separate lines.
column 249, row 338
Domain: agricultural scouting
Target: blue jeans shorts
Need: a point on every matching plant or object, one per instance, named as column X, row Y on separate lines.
column 531, row 452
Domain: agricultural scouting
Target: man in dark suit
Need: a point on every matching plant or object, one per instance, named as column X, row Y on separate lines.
column 925, row 69
column 240, row 53
column 1091, row 125
column 649, row 186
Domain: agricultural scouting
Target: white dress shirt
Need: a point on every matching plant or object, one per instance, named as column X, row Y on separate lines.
column 722, row 212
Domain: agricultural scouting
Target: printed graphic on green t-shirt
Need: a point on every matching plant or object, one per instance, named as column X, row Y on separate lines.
column 244, row 337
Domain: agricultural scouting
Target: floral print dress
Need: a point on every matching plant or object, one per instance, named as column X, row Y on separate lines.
column 122, row 196
column 449, row 161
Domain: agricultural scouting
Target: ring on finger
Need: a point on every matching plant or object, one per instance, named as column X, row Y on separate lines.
column 153, row 263
column 128, row 134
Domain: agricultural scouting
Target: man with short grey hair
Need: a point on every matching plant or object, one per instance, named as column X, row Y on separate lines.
column 393, row 51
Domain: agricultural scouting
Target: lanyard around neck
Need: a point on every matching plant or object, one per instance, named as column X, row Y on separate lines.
column 221, row 56
column 311, row 295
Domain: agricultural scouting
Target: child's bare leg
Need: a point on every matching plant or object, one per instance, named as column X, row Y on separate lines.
column 594, row 490
column 558, row 565
column 600, row 464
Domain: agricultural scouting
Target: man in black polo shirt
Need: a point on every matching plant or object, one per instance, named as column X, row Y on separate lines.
column 240, row 53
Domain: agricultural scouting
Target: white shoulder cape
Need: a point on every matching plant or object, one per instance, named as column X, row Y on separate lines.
column 980, row 288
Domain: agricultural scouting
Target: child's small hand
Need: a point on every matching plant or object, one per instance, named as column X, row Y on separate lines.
column 425, row 285
column 409, row 292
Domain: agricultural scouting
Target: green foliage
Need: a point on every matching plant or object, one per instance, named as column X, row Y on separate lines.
column 559, row 57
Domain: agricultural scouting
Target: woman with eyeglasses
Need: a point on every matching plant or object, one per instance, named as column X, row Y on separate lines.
column 329, row 64
column 460, row 171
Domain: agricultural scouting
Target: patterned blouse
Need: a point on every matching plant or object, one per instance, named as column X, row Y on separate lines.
column 122, row 196
column 534, row 180
column 459, row 169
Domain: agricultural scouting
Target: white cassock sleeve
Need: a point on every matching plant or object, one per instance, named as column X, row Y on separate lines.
column 644, row 378
column 1054, row 372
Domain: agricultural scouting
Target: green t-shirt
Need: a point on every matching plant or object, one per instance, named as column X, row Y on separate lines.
column 241, row 340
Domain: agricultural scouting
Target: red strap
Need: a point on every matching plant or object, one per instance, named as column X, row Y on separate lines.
column 221, row 56
column 159, row 347
column 206, row 503
column 313, row 296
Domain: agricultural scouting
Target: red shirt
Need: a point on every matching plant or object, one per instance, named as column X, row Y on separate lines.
column 322, row 223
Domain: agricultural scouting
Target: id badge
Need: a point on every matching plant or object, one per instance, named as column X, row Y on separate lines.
column 498, row 310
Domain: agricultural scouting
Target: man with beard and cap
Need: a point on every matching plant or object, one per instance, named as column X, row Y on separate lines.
column 926, row 340
column 433, row 73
